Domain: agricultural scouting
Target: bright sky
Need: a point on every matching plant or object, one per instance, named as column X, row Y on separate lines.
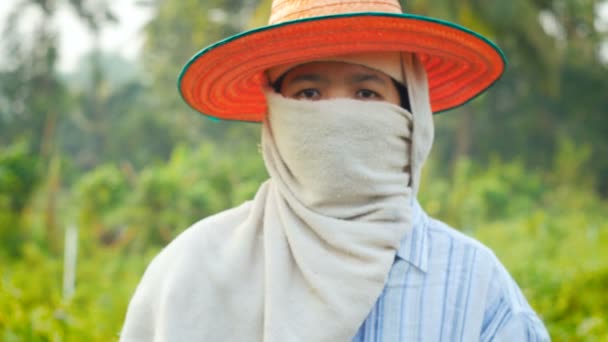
column 124, row 38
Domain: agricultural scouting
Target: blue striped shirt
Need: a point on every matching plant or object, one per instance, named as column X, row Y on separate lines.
column 445, row 286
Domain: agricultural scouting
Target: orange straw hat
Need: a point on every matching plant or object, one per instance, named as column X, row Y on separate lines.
column 226, row 80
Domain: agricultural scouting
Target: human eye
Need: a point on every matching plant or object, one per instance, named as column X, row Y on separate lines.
column 367, row 94
column 308, row 94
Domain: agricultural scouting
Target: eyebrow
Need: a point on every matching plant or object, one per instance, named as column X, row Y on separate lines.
column 308, row 78
column 365, row 77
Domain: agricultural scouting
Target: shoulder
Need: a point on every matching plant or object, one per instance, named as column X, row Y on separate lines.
column 456, row 248
column 201, row 237
column 507, row 316
column 177, row 270
column 452, row 245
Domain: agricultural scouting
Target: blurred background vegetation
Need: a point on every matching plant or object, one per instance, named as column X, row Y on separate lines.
column 109, row 148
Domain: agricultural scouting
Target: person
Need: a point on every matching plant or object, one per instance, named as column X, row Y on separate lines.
column 334, row 246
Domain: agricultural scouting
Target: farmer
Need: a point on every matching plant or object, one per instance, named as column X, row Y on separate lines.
column 334, row 246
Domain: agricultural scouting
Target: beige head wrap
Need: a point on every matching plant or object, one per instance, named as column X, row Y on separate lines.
column 402, row 67
column 308, row 257
column 387, row 62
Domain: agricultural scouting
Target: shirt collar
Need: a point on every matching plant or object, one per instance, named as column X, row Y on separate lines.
column 415, row 245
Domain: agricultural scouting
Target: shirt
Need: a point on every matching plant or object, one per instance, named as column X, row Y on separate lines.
column 445, row 286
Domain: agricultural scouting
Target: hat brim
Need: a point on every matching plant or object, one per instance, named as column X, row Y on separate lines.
column 226, row 79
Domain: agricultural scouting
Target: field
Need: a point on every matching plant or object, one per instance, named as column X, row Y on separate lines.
column 549, row 233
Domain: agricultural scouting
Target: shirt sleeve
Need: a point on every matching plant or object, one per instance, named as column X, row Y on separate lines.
column 508, row 316
column 521, row 327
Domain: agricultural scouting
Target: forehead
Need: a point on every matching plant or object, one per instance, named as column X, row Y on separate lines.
column 330, row 69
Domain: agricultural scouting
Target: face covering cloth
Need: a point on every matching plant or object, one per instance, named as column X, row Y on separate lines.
column 307, row 258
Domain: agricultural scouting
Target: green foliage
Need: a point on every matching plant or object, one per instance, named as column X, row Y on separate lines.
column 19, row 176
column 173, row 37
column 554, row 86
column 550, row 230
column 192, row 185
column 124, row 219
column 163, row 199
column 31, row 303
column 99, row 192
column 520, row 167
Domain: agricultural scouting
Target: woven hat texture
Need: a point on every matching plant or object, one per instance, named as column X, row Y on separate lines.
column 226, row 80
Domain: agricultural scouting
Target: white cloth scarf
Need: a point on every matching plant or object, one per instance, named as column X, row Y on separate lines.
column 308, row 257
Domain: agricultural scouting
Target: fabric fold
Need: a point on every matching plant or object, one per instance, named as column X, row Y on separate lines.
column 338, row 207
column 307, row 258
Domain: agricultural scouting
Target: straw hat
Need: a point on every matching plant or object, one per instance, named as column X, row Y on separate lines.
column 226, row 80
